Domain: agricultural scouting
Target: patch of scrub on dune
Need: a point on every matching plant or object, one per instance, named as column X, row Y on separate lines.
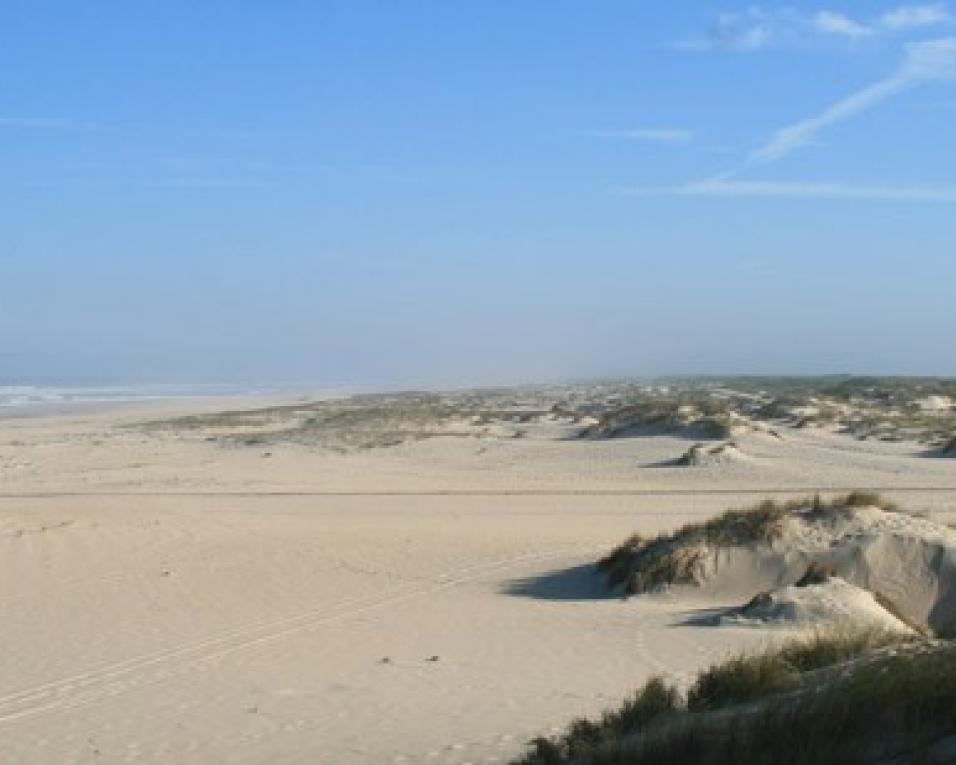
column 708, row 455
column 698, row 409
column 656, row 418
column 372, row 421
column 844, row 697
column 888, row 567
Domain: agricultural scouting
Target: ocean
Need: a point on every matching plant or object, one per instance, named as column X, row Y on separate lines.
column 14, row 397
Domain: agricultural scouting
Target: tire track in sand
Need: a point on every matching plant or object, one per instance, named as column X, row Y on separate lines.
column 129, row 674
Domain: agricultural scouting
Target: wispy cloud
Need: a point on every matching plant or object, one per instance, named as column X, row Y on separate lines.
column 758, row 27
column 751, row 30
column 898, row 19
column 748, row 32
column 923, row 62
column 835, row 23
column 655, row 135
column 909, row 16
column 728, row 188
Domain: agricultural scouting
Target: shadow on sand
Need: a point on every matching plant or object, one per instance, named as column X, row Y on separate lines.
column 576, row 583
column 939, row 452
column 703, row 617
column 668, row 463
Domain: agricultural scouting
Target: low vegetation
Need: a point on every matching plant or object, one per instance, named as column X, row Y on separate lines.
column 675, row 416
column 891, row 409
column 703, row 454
column 888, row 409
column 748, row 677
column 363, row 421
column 655, row 700
column 642, row 565
column 844, row 694
column 833, row 698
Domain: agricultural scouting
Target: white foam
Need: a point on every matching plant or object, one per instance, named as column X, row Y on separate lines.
column 40, row 396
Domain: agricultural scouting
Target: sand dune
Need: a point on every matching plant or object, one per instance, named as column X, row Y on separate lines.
column 835, row 603
column 811, row 563
column 171, row 598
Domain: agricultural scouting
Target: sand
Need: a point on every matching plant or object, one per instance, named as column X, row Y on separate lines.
column 172, row 599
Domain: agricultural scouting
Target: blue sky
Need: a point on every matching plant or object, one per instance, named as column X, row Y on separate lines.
column 398, row 193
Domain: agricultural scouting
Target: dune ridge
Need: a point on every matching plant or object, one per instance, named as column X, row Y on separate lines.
column 888, row 566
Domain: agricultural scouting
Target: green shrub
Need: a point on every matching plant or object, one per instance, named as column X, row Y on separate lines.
column 742, row 679
column 866, row 499
column 588, row 740
column 885, row 707
column 824, row 648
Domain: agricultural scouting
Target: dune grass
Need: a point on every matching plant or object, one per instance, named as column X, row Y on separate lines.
column 833, row 698
column 825, row 648
column 655, row 700
column 753, row 676
column 642, row 565
column 698, row 408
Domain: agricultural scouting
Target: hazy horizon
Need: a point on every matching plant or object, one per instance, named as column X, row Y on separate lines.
column 420, row 194
column 187, row 388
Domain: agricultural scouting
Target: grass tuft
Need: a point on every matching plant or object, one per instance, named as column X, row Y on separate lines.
column 748, row 677
column 643, row 565
column 776, row 707
column 655, row 701
column 867, row 499
column 824, row 648
column 740, row 680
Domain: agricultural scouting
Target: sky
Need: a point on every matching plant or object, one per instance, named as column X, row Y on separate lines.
column 413, row 192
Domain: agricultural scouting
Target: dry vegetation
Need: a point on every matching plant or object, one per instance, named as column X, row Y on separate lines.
column 921, row 410
column 892, row 409
column 949, row 449
column 847, row 697
column 642, row 565
column 844, row 695
column 364, row 421
column 703, row 454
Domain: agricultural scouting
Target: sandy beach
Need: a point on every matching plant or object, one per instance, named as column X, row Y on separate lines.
column 170, row 597
column 540, row 383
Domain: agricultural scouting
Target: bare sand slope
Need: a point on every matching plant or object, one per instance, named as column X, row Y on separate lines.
column 200, row 615
column 292, row 630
